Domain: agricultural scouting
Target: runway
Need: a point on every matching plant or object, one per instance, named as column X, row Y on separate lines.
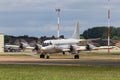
column 61, row 63
column 84, row 60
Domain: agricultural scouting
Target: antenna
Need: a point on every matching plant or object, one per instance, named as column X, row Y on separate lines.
column 108, row 26
column 58, row 26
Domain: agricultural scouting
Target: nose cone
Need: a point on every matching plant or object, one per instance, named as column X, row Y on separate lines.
column 43, row 48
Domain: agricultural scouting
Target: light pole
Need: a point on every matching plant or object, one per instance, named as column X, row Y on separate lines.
column 58, row 24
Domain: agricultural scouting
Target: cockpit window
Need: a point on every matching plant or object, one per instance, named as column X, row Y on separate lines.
column 46, row 44
column 50, row 43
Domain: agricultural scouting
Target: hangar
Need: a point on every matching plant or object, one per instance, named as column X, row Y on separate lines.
column 1, row 42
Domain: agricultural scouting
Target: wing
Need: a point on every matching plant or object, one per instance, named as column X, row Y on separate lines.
column 68, row 48
column 62, row 48
column 11, row 46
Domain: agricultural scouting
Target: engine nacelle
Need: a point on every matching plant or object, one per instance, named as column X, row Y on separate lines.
column 90, row 47
column 74, row 49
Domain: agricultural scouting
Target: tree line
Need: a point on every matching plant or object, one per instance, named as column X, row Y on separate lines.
column 102, row 32
column 10, row 39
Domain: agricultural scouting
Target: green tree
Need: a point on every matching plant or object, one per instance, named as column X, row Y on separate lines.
column 102, row 32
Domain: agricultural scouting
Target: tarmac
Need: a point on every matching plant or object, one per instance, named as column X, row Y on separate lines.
column 84, row 60
column 68, row 61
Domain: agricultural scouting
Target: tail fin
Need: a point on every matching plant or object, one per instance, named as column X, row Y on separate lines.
column 76, row 34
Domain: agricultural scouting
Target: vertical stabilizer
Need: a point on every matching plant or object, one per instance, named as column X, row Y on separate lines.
column 76, row 34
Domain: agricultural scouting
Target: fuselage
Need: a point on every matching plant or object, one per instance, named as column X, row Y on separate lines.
column 53, row 46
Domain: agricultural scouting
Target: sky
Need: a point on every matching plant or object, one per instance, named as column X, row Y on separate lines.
column 39, row 17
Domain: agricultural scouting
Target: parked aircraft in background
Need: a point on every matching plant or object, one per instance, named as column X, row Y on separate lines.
column 17, row 48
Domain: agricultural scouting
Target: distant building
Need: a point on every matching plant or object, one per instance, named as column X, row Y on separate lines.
column 1, row 42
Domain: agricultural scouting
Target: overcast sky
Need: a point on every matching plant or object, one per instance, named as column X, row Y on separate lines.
column 39, row 18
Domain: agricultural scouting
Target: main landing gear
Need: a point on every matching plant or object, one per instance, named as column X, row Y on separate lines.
column 76, row 56
column 43, row 56
column 63, row 53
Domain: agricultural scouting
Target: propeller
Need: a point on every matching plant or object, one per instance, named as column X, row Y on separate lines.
column 71, row 48
column 88, row 47
column 21, row 46
column 74, row 49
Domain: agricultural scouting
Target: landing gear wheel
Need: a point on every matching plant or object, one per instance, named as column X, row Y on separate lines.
column 47, row 57
column 63, row 53
column 42, row 56
column 76, row 56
